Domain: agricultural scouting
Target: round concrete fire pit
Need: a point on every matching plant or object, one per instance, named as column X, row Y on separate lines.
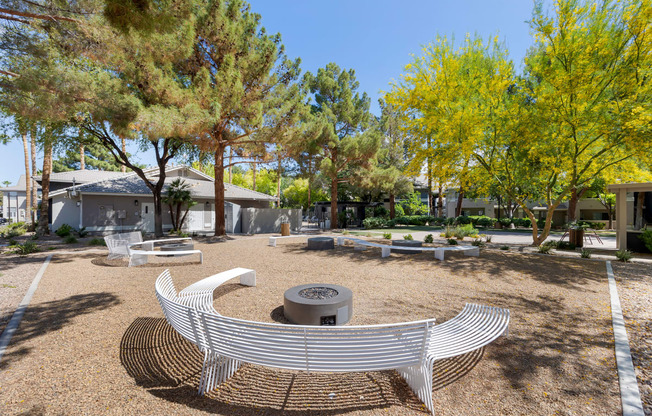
column 406, row 243
column 321, row 243
column 318, row 304
column 177, row 247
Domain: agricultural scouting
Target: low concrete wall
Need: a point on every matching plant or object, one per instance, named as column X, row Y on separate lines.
column 268, row 220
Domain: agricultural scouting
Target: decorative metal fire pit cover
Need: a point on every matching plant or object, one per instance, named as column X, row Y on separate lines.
column 318, row 304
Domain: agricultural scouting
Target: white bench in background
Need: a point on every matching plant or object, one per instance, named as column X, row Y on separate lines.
column 411, row 348
column 120, row 246
column 139, row 256
column 272, row 240
column 359, row 244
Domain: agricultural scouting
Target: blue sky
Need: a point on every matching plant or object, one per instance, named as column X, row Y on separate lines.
column 376, row 38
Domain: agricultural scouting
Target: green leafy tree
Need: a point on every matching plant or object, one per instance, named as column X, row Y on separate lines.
column 298, row 194
column 344, row 113
column 178, row 198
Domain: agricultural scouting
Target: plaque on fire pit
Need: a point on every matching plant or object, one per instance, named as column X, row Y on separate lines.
column 318, row 304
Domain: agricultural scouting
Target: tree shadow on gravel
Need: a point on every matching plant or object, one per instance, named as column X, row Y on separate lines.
column 43, row 318
column 169, row 367
column 545, row 336
column 563, row 272
column 102, row 261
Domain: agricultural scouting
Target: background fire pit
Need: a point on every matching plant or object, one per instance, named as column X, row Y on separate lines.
column 318, row 304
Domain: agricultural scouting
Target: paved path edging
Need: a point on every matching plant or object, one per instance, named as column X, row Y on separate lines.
column 629, row 394
column 13, row 324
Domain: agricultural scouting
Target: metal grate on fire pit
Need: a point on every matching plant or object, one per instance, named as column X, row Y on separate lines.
column 318, row 293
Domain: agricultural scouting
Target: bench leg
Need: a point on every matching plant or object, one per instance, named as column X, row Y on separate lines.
column 248, row 278
column 201, row 257
column 216, row 370
column 385, row 251
column 340, row 241
column 272, row 242
column 419, row 378
column 439, row 254
column 474, row 253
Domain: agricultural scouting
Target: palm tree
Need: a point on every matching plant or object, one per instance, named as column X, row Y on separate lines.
column 178, row 195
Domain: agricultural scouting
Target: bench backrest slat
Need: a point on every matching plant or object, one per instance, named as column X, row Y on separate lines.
column 317, row 348
column 183, row 318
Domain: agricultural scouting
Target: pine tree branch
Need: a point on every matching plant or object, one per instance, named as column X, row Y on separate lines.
column 36, row 16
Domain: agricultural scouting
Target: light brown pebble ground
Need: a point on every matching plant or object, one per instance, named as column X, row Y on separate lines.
column 94, row 340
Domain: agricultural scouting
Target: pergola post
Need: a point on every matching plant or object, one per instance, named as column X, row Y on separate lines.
column 621, row 219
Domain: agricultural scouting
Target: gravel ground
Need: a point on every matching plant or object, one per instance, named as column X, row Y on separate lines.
column 635, row 290
column 94, row 340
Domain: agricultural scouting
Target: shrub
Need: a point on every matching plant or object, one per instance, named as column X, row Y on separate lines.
column 26, row 248
column 437, row 221
column 541, row 222
column 545, row 248
column 505, row 222
column 504, row 247
column 428, row 239
column 381, row 211
column 598, row 225
column 398, row 210
column 465, row 231
column 346, row 232
column 448, row 233
column 646, row 237
column 488, row 238
column 477, row 242
column 565, row 245
column 82, row 232
column 624, row 255
column 70, row 239
column 403, row 220
column 484, row 221
column 408, row 237
column 374, row 222
column 452, row 241
column 387, row 236
column 522, row 222
column 13, row 230
column 64, row 230
column 586, row 253
column 12, row 242
column 463, row 219
column 449, row 221
column 97, row 242
column 391, row 223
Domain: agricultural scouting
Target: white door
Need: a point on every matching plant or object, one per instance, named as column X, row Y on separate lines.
column 147, row 216
column 194, row 220
column 209, row 215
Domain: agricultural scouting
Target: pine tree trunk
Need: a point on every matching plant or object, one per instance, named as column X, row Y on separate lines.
column 28, row 182
column 44, row 220
column 392, row 206
column 458, row 208
column 123, row 169
column 82, row 158
column 309, row 195
column 334, row 202
column 278, row 185
column 34, row 206
column 220, row 225
column 253, row 171
column 611, row 222
column 230, row 165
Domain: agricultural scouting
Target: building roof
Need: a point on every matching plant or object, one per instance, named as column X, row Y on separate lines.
column 132, row 184
column 83, row 176
column 631, row 186
column 20, row 186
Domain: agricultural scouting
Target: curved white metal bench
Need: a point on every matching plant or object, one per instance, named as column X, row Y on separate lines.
column 439, row 252
column 410, row 348
column 120, row 246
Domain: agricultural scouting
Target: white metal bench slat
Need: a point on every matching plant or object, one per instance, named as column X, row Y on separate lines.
column 411, row 347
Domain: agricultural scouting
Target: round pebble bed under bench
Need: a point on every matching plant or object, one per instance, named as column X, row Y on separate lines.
column 321, row 243
column 406, row 243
